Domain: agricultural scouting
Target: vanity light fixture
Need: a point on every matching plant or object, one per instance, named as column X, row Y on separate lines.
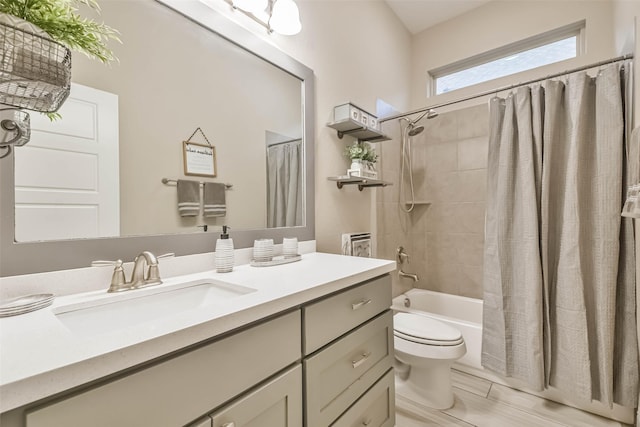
column 285, row 18
column 279, row 16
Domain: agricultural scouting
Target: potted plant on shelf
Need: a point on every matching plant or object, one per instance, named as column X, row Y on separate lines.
column 363, row 158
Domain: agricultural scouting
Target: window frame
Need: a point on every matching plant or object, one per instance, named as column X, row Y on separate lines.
column 576, row 29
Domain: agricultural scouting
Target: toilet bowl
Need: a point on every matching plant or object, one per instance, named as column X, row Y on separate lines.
column 425, row 349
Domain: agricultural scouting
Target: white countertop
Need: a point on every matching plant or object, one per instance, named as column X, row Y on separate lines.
column 40, row 357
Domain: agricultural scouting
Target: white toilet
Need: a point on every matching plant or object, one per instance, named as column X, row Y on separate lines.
column 426, row 348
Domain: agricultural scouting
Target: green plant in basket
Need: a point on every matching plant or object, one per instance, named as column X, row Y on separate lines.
column 60, row 19
column 361, row 151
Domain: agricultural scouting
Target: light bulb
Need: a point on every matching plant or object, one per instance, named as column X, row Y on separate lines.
column 285, row 18
column 252, row 6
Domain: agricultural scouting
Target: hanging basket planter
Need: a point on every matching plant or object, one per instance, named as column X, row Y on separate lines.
column 35, row 71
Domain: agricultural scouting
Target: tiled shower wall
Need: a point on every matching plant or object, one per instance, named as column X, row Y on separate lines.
column 444, row 236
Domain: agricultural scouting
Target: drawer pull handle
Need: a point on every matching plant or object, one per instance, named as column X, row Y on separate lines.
column 356, row 363
column 231, row 424
column 357, row 305
column 366, row 422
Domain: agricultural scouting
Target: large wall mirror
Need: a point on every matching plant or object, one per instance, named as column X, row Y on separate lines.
column 182, row 66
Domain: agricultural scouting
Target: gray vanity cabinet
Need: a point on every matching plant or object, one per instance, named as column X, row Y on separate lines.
column 348, row 341
column 325, row 363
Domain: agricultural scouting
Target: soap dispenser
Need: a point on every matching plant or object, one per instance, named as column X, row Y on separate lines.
column 224, row 252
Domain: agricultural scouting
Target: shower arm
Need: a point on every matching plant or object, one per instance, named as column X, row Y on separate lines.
column 430, row 113
column 420, row 117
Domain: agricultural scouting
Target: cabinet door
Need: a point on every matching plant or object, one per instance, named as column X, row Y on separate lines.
column 276, row 404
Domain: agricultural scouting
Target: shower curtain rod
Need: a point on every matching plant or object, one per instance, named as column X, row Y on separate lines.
column 284, row 142
column 513, row 86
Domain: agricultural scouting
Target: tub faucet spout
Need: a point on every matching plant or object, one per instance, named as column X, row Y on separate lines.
column 411, row 276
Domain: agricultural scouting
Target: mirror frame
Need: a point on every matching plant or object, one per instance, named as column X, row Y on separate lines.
column 35, row 257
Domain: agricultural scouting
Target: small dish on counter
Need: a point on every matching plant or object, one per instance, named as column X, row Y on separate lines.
column 25, row 304
column 276, row 260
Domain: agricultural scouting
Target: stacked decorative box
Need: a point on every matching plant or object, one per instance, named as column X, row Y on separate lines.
column 357, row 114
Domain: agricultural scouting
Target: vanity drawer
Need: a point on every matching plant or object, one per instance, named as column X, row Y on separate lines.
column 177, row 390
column 339, row 374
column 376, row 408
column 332, row 317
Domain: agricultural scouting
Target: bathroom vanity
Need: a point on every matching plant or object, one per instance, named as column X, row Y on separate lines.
column 308, row 343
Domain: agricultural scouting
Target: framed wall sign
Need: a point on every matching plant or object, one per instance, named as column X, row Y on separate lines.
column 199, row 159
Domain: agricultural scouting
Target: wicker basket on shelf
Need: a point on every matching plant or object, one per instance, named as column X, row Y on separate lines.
column 35, row 71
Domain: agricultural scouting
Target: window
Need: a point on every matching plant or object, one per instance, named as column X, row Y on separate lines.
column 557, row 45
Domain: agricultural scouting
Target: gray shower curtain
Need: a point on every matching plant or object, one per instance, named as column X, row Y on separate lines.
column 284, row 184
column 559, row 284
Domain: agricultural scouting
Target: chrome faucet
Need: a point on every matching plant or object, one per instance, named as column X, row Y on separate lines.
column 138, row 276
column 411, row 276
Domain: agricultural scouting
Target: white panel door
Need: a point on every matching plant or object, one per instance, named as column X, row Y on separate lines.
column 67, row 176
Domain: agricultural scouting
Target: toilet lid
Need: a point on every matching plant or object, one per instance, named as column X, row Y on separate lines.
column 425, row 330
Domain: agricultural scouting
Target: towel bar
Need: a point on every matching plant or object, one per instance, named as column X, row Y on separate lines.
column 168, row 181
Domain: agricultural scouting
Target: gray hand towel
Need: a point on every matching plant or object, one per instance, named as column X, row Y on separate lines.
column 214, row 199
column 188, row 197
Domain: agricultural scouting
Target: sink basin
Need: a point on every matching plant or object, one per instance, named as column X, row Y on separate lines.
column 113, row 312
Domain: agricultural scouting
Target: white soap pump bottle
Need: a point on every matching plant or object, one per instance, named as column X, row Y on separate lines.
column 224, row 252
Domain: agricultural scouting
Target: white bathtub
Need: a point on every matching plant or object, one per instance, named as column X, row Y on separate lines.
column 464, row 314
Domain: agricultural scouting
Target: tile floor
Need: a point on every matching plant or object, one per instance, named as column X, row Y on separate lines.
column 482, row 403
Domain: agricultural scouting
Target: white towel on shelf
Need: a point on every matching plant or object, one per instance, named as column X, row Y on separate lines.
column 188, row 197
column 215, row 204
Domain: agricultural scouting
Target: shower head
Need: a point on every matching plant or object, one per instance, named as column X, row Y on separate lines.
column 415, row 130
column 412, row 129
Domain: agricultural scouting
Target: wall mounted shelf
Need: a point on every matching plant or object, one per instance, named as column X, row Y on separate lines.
column 358, row 131
column 360, row 182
